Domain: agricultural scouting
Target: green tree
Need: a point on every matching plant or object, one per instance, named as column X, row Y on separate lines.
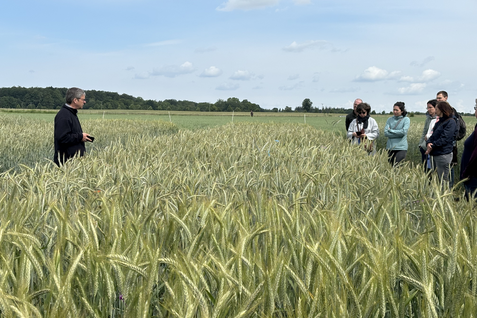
column 307, row 103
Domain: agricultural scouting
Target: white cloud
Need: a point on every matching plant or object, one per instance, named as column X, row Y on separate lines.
column 414, row 88
column 373, row 74
column 426, row 76
column 211, row 72
column 429, row 75
column 245, row 76
column 174, row 70
column 241, row 75
column 406, row 79
column 227, row 87
column 295, row 47
column 231, row 5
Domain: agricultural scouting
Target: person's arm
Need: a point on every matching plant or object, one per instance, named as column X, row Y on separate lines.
column 401, row 132
column 430, row 130
column 386, row 127
column 471, row 169
column 373, row 129
column 351, row 129
column 424, row 130
column 64, row 133
column 446, row 136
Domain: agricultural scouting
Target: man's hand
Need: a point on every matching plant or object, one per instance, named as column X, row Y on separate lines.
column 85, row 137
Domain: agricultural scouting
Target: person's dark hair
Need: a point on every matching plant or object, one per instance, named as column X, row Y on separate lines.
column 365, row 107
column 402, row 108
column 445, row 108
column 73, row 93
column 444, row 93
column 433, row 102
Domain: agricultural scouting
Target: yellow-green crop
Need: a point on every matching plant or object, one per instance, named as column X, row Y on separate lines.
column 242, row 220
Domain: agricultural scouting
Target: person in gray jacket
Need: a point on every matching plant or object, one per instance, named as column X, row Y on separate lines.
column 430, row 115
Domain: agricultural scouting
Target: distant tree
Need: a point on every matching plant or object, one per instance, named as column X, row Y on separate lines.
column 288, row 109
column 275, row 110
column 307, row 103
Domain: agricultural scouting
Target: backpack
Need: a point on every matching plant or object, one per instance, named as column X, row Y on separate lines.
column 460, row 125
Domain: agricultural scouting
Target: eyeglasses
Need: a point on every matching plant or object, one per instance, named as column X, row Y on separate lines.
column 362, row 112
column 82, row 99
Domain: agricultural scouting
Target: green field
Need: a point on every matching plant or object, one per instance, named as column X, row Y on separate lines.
column 200, row 216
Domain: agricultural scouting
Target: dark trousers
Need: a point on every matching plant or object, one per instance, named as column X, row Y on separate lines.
column 396, row 156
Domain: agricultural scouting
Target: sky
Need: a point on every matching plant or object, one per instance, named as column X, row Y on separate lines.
column 274, row 53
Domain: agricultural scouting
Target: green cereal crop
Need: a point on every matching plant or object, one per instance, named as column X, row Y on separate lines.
column 240, row 220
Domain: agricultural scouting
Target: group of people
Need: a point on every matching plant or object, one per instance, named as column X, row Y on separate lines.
column 438, row 143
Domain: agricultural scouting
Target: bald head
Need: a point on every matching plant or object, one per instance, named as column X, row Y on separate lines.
column 357, row 101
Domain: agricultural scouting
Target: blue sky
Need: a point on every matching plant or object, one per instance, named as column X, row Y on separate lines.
column 274, row 53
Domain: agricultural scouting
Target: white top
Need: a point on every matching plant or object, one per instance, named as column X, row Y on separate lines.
column 372, row 131
column 431, row 128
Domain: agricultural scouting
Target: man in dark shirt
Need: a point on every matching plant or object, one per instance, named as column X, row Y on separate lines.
column 353, row 114
column 69, row 137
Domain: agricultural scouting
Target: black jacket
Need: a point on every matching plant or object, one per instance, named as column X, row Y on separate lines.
column 443, row 137
column 68, row 135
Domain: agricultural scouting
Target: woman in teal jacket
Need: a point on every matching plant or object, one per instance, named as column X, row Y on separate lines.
column 396, row 130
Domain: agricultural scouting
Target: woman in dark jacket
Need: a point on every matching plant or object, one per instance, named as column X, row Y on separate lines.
column 440, row 144
column 468, row 164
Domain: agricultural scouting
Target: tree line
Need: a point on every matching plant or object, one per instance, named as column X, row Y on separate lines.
column 54, row 98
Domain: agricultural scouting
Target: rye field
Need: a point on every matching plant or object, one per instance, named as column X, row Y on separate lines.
column 192, row 216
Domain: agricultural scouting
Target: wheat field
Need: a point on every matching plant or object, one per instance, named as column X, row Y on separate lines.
column 241, row 220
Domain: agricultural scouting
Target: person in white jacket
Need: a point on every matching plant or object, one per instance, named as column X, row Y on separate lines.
column 364, row 129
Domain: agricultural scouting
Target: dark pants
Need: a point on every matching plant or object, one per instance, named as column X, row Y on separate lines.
column 396, row 156
column 424, row 159
column 470, row 188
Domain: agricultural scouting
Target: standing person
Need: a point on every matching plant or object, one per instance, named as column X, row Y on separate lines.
column 364, row 129
column 251, row 113
column 396, row 130
column 353, row 115
column 468, row 164
column 442, row 96
column 69, row 137
column 430, row 115
column 440, row 143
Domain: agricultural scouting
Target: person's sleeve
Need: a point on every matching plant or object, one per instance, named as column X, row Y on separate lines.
column 471, row 169
column 374, row 132
column 63, row 132
column 397, row 133
column 386, row 128
column 351, row 128
column 447, row 135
